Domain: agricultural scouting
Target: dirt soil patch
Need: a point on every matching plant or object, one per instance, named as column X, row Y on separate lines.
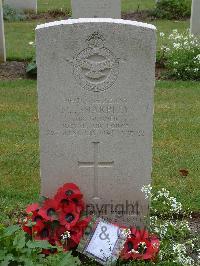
column 17, row 70
column 59, row 14
column 13, row 70
column 139, row 16
column 49, row 16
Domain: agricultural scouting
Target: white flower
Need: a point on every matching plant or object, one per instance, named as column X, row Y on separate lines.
column 31, row 43
column 182, row 258
column 66, row 235
column 176, row 45
column 162, row 34
column 147, row 191
column 197, row 57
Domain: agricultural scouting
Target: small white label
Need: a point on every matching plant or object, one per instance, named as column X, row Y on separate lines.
column 103, row 241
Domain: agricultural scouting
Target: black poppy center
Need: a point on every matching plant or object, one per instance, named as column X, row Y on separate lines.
column 69, row 192
column 75, row 201
column 142, row 248
column 130, row 246
column 52, row 250
column 69, row 217
column 65, row 202
column 37, row 218
column 44, row 233
column 50, row 212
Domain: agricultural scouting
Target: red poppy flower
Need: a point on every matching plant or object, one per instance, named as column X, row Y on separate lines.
column 34, row 222
column 32, row 208
column 49, row 209
column 69, row 216
column 69, row 192
column 27, row 229
column 60, row 236
column 140, row 245
column 34, row 229
column 77, row 232
column 58, row 232
column 44, row 233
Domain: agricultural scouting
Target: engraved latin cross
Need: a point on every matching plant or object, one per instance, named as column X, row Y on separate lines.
column 96, row 165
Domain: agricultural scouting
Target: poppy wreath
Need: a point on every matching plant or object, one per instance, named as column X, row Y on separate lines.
column 58, row 220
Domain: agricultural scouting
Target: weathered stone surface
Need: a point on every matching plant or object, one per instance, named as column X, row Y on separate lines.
column 96, row 8
column 22, row 4
column 195, row 17
column 2, row 37
column 95, row 85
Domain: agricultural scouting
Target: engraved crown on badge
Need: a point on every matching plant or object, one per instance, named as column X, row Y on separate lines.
column 96, row 40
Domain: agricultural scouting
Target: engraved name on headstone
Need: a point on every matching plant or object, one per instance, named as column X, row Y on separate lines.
column 95, row 86
column 2, row 37
column 96, row 8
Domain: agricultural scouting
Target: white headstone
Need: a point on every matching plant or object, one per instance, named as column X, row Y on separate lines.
column 95, row 85
column 22, row 4
column 195, row 17
column 2, row 37
column 96, row 8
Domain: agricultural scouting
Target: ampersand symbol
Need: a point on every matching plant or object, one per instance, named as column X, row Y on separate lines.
column 103, row 235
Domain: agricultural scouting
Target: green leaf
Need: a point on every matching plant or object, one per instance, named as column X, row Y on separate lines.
column 32, row 68
column 68, row 259
column 7, row 260
column 20, row 240
column 2, row 254
column 43, row 244
column 11, row 230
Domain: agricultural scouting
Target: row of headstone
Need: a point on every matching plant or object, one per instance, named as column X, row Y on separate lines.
column 195, row 17
column 96, row 8
column 2, row 36
column 22, row 4
column 96, row 86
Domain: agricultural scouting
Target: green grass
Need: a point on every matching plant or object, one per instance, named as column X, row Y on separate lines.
column 176, row 145
column 19, row 174
column 127, row 5
column 167, row 26
column 19, row 34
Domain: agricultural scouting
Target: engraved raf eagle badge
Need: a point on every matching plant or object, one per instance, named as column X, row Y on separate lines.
column 96, row 68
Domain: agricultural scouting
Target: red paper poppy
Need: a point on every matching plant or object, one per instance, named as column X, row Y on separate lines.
column 69, row 216
column 69, row 192
column 32, row 208
column 58, row 232
column 77, row 232
column 49, row 210
column 34, row 221
column 140, row 245
column 34, row 229
column 59, row 236
column 44, row 233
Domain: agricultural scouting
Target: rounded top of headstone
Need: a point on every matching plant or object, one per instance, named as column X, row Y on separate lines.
column 96, row 20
